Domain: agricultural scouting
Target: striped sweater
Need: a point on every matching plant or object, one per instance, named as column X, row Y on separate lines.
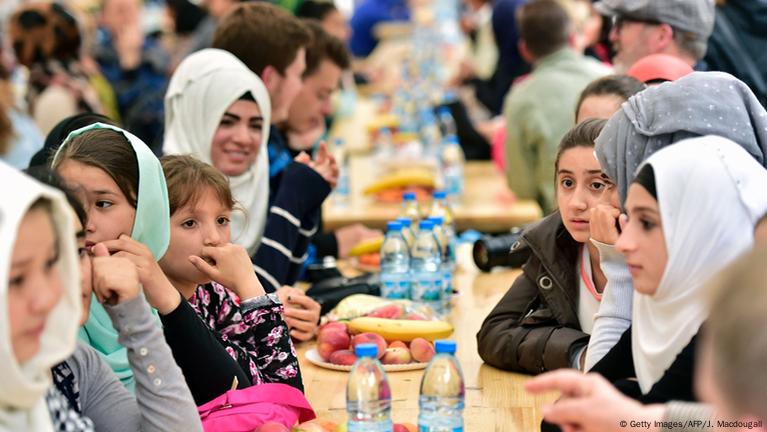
column 296, row 196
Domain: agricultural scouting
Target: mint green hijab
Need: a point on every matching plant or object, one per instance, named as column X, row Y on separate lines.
column 150, row 227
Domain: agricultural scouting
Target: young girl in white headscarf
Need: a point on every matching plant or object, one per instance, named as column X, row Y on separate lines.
column 691, row 209
column 40, row 303
column 86, row 380
column 218, row 111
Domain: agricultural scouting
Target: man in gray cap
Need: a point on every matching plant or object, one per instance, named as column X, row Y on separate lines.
column 642, row 27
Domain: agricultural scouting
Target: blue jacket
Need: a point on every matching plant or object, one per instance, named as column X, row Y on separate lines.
column 367, row 15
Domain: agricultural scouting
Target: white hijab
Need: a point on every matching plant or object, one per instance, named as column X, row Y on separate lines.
column 711, row 193
column 23, row 386
column 205, row 84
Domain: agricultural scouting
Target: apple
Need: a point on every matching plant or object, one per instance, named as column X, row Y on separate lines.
column 373, row 338
column 396, row 355
column 331, row 340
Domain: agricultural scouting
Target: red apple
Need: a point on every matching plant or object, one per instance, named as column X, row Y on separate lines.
column 397, row 344
column 343, row 357
column 421, row 350
column 395, row 356
column 373, row 338
column 331, row 340
column 337, row 325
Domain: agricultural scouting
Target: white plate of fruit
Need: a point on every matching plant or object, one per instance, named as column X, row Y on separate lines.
column 400, row 345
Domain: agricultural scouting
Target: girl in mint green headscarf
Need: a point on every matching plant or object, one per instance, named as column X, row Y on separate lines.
column 127, row 200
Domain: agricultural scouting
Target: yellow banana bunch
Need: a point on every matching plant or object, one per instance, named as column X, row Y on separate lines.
column 367, row 247
column 402, row 178
column 402, row 330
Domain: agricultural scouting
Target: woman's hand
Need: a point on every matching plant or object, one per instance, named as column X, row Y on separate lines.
column 115, row 279
column 302, row 313
column 159, row 292
column 602, row 223
column 230, row 266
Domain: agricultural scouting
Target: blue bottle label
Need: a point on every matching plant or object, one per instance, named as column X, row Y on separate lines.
column 424, row 428
column 394, row 287
column 428, row 288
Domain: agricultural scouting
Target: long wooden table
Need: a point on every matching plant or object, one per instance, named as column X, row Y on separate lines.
column 495, row 399
column 487, row 204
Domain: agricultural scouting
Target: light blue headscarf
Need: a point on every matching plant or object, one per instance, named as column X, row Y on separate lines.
column 150, row 227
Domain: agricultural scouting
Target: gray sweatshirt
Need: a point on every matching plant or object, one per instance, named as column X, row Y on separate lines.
column 614, row 315
column 162, row 401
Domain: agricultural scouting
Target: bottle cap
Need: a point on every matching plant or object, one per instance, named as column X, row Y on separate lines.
column 440, row 195
column 394, row 226
column 443, row 346
column 437, row 220
column 405, row 222
column 408, row 196
column 452, row 139
column 339, row 142
column 426, row 225
column 368, row 350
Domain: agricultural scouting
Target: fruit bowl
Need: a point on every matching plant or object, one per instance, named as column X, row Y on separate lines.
column 314, row 358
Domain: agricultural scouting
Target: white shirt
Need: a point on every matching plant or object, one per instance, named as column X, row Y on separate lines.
column 588, row 304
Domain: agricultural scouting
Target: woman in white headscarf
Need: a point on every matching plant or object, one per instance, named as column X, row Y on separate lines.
column 200, row 92
column 210, row 114
column 40, row 304
column 692, row 210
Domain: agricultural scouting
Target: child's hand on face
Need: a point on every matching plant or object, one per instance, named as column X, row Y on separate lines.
column 230, row 266
column 158, row 289
column 603, row 223
column 115, row 279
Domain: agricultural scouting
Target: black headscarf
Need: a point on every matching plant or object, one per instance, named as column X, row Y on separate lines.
column 60, row 132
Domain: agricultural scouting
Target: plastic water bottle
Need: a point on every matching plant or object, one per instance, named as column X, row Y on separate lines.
column 447, row 121
column 407, row 230
column 430, row 134
column 442, row 392
column 395, row 264
column 410, row 208
column 343, row 187
column 425, row 260
column 385, row 142
column 440, row 207
column 453, row 161
column 448, row 256
column 368, row 396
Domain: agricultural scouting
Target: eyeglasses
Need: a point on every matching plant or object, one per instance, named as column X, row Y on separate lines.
column 619, row 20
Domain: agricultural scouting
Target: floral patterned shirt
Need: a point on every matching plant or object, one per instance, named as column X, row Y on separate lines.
column 257, row 339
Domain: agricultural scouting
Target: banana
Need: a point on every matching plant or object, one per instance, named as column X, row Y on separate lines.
column 402, row 330
column 402, row 178
column 367, row 246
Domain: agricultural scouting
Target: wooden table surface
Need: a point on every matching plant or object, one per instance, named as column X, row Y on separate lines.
column 487, row 205
column 495, row 399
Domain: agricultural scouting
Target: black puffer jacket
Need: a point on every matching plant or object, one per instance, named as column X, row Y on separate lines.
column 535, row 327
